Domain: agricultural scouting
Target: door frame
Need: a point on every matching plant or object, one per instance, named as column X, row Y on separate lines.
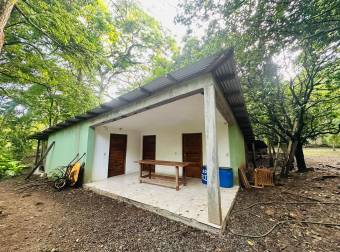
column 125, row 152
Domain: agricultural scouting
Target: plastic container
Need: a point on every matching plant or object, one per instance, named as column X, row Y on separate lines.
column 225, row 173
column 204, row 174
column 226, row 177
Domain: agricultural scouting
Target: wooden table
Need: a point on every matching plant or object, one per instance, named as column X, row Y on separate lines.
column 148, row 178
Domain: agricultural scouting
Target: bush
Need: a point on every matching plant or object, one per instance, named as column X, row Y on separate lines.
column 9, row 167
column 57, row 172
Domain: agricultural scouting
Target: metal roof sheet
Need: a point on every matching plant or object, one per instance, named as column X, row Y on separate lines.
column 158, row 83
column 223, row 67
column 231, row 88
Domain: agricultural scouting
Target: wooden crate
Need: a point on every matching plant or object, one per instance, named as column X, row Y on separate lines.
column 263, row 177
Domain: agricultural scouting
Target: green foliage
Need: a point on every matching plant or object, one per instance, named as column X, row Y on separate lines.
column 62, row 58
column 331, row 141
column 48, row 46
column 9, row 167
column 143, row 50
column 259, row 31
column 57, row 173
column 304, row 104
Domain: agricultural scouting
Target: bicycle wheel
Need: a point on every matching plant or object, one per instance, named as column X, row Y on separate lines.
column 59, row 183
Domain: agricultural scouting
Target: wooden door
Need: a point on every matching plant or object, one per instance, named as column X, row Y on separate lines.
column 192, row 152
column 149, row 151
column 117, row 155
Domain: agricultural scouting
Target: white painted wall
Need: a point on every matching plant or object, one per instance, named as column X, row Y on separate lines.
column 169, row 143
column 101, row 151
column 168, row 123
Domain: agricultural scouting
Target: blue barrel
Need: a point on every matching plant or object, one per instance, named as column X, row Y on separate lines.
column 226, row 176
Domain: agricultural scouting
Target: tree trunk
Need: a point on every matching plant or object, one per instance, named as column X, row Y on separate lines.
column 6, row 7
column 253, row 154
column 300, row 158
column 289, row 164
column 271, row 159
column 273, row 150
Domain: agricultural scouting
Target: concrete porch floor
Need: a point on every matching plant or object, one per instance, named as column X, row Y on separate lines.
column 188, row 205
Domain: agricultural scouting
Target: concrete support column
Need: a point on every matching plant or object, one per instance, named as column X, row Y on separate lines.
column 213, row 187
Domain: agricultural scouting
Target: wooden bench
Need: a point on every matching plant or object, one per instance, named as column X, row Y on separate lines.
column 163, row 180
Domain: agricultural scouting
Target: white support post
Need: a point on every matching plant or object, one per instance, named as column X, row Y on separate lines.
column 213, row 185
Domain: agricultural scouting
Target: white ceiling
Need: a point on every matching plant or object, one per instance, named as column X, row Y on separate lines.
column 180, row 112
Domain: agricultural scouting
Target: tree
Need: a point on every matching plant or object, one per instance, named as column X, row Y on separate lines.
column 48, row 46
column 302, row 107
column 55, row 54
column 299, row 109
column 142, row 50
column 6, row 7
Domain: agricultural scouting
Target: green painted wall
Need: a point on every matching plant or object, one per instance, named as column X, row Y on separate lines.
column 237, row 150
column 90, row 155
column 69, row 142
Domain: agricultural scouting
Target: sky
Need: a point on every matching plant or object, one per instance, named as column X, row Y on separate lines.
column 165, row 11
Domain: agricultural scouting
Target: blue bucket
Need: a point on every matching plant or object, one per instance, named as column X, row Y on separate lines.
column 225, row 173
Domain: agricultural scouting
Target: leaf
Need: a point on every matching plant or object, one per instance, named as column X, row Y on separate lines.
column 251, row 243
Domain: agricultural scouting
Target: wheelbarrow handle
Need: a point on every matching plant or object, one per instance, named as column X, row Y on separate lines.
column 80, row 157
column 72, row 160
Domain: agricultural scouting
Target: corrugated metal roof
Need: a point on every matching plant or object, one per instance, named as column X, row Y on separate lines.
column 225, row 75
column 222, row 66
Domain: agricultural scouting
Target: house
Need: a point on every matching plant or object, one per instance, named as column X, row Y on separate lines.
column 194, row 114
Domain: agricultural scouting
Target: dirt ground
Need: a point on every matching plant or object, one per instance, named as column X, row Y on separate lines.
column 37, row 218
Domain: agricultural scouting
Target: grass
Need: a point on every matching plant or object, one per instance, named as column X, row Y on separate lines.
column 321, row 152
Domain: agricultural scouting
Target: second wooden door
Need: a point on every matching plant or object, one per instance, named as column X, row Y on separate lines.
column 192, row 152
column 149, row 151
